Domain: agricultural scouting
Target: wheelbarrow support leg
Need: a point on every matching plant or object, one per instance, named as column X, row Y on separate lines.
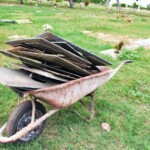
column 90, row 108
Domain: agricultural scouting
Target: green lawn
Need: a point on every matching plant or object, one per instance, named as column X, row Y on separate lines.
column 124, row 102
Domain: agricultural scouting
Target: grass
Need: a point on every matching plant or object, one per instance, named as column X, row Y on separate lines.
column 123, row 102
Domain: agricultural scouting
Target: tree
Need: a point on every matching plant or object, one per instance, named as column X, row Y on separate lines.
column 20, row 1
column 118, row 5
column 71, row 2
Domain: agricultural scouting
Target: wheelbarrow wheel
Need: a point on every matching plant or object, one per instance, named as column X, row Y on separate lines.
column 21, row 117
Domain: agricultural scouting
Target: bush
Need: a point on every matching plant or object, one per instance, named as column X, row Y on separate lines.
column 93, row 1
column 135, row 5
column 98, row 1
column 114, row 5
column 148, row 7
column 58, row 1
column 78, row 1
column 123, row 5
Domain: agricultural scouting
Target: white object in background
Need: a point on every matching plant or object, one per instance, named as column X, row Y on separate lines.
column 142, row 3
column 47, row 27
column 126, row 6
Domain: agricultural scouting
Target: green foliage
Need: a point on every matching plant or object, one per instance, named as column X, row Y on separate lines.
column 143, row 19
column 148, row 7
column 123, row 5
column 2, row 23
column 128, row 54
column 135, row 5
column 58, row 1
column 78, row 1
column 99, row 1
column 114, row 5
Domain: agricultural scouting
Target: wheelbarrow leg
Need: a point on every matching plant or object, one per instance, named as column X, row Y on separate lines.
column 90, row 108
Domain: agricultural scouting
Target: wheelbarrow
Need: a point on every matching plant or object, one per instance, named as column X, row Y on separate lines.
column 27, row 121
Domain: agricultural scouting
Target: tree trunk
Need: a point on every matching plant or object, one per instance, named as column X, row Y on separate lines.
column 71, row 3
column 20, row 1
column 118, row 5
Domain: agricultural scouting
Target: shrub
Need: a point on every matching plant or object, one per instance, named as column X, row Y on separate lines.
column 93, row 1
column 148, row 7
column 123, row 5
column 98, row 1
column 135, row 5
column 58, row 1
column 114, row 5
column 78, row 1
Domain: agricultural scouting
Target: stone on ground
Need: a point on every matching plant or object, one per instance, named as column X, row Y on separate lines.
column 106, row 127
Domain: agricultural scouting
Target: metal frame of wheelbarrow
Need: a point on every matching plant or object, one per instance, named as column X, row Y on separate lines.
column 35, row 123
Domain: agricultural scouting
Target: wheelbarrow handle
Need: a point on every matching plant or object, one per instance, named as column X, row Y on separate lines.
column 128, row 61
column 118, row 68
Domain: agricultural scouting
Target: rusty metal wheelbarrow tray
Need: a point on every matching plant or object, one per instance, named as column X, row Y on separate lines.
column 66, row 94
column 61, row 96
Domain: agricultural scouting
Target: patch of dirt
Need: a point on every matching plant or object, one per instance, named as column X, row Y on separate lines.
column 6, row 4
column 17, row 37
column 139, row 43
column 130, row 43
column 22, row 21
column 107, row 37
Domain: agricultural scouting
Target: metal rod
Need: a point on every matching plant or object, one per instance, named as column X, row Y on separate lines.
column 84, row 104
column 79, row 114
